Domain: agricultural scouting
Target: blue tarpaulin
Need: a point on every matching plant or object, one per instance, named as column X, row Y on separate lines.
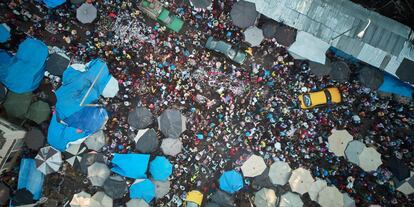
column 30, row 178
column 231, row 181
column 60, row 135
column 76, row 84
column 53, row 3
column 26, row 68
column 4, row 33
column 160, row 168
column 88, row 119
column 131, row 165
column 393, row 85
column 142, row 189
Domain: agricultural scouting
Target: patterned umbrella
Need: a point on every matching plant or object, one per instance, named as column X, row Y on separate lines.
column 48, row 160
column 73, row 154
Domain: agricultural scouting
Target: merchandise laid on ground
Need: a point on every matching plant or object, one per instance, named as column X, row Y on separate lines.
column 226, row 103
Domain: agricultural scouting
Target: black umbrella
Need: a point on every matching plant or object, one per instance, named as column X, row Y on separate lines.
column 243, row 14
column 223, row 199
column 34, row 139
column 263, row 180
column 340, row 71
column 146, row 141
column 4, row 193
column 88, row 159
column 3, row 93
column 57, row 63
column 398, row 168
column 201, row 3
column 115, row 187
column 285, row 35
column 319, row 69
column 405, row 72
column 371, row 77
column 270, row 29
column 140, row 118
column 23, row 197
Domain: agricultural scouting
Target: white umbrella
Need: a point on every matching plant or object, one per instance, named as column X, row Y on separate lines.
column 100, row 199
column 369, row 159
column 98, row 173
column 73, row 154
column 48, row 160
column 136, row 203
column 301, row 180
column 86, row 13
column 353, row 150
column 111, row 88
column 265, row 198
column 338, row 141
column 96, row 141
column 315, row 188
column 253, row 166
column 279, row 173
column 290, row 199
column 254, row 36
column 348, row 201
column 171, row 146
column 81, row 199
column 330, row 196
column 161, row 188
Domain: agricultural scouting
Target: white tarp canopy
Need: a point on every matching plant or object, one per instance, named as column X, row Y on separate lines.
column 309, row 47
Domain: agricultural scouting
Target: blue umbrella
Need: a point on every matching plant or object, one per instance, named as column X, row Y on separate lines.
column 160, row 168
column 142, row 189
column 231, row 181
column 4, row 33
column 122, row 165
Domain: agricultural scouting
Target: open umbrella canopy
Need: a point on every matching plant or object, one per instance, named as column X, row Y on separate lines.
column 353, row 150
column 73, row 154
column 81, row 199
column 88, row 159
column 201, row 3
column 142, row 189
column 194, row 196
column 57, row 63
column 48, row 160
column 111, row 88
column 338, row 141
column 146, row 141
column 315, row 188
column 290, row 199
column 4, row 33
column 348, row 201
column 253, row 166
column 253, row 36
column 137, row 202
column 172, row 123
column 330, row 196
column 88, row 119
column 398, row 168
column 160, row 168
column 22, row 197
column 115, row 187
column 369, row 159
column 98, row 173
column 3, row 93
column 320, row 69
column 340, row 71
column 243, row 14
column 140, row 118
column 371, row 77
column 263, row 180
column 269, row 29
column 171, row 146
column 231, row 181
column 96, row 141
column 38, row 112
column 122, row 165
column 279, row 173
column 301, row 180
column 223, row 199
column 4, row 193
column 265, row 198
column 100, row 199
column 34, row 139
column 161, row 188
column 17, row 105
column 86, row 13
column 407, row 187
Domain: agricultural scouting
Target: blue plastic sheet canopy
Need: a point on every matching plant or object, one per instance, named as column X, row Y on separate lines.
column 393, row 85
column 26, row 69
column 30, row 178
column 60, row 135
column 142, row 189
column 88, row 119
column 231, row 181
column 76, row 84
column 160, row 168
column 4, row 33
column 131, row 165
column 53, row 3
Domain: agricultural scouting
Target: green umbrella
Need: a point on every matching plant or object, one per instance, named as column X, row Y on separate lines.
column 38, row 112
column 16, row 105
